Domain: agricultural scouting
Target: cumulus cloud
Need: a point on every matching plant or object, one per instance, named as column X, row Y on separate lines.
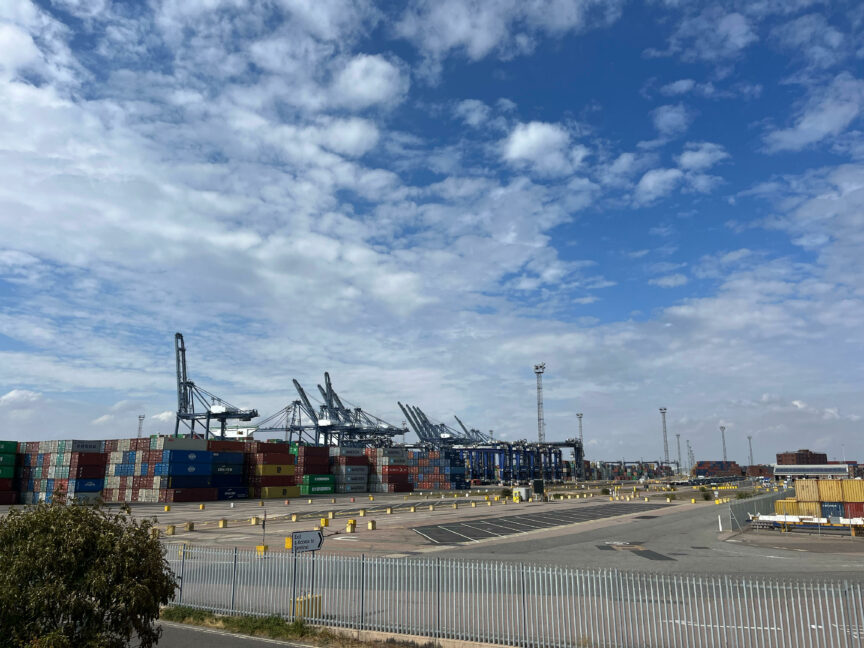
column 669, row 281
column 827, row 112
column 19, row 398
column 698, row 156
column 712, row 35
column 671, row 120
column 472, row 112
column 544, row 147
column 367, row 80
column 657, row 183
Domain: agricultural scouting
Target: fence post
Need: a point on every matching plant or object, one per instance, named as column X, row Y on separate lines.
column 362, row 589
column 438, row 598
column 294, row 587
column 182, row 574
column 234, row 580
column 524, row 632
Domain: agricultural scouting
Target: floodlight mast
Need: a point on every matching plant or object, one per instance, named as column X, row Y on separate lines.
column 750, row 445
column 541, row 424
column 723, row 439
column 581, row 440
column 665, row 439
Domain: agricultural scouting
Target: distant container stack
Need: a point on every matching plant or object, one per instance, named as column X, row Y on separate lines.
column 8, row 466
column 436, row 470
column 350, row 469
column 831, row 499
column 270, row 470
column 129, row 471
column 717, row 469
column 46, row 466
column 313, row 470
column 390, row 472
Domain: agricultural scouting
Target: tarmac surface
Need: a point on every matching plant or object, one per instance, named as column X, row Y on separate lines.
column 176, row 635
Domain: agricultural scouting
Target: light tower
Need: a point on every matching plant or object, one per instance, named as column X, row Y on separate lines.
column 750, row 444
column 665, row 439
column 723, row 438
column 541, row 425
column 678, row 441
column 140, row 424
column 691, row 459
column 579, row 416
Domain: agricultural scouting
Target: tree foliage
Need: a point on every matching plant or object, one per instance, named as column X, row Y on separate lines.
column 78, row 576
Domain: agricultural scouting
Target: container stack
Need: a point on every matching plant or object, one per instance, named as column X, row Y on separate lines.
column 185, row 475
column 350, row 467
column 227, row 469
column 8, row 464
column 47, row 465
column 434, row 470
column 390, row 472
column 313, row 470
column 831, row 499
column 129, row 471
column 270, row 470
column 717, row 469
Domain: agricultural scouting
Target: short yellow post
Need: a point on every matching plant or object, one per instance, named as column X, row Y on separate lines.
column 254, row 520
column 370, row 525
column 389, row 510
column 167, row 508
column 261, row 503
column 488, row 503
column 261, row 549
column 289, row 543
column 200, row 507
column 332, row 500
column 331, row 514
column 455, row 505
column 223, row 523
column 349, row 528
column 412, row 509
column 362, row 512
column 431, row 507
column 169, row 530
column 325, row 522
column 309, row 501
column 189, row 526
column 473, row 504
column 371, row 498
column 293, row 517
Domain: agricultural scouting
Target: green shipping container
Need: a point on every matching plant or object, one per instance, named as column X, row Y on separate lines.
column 8, row 447
column 319, row 479
column 8, row 459
column 306, row 489
column 7, row 472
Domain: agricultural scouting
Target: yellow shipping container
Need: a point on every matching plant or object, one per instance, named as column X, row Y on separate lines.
column 830, row 490
column 786, row 507
column 272, row 492
column 853, row 490
column 274, row 470
column 813, row 509
column 807, row 490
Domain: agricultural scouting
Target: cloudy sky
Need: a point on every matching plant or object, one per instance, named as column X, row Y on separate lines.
column 664, row 201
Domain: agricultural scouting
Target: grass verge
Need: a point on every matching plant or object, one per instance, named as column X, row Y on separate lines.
column 274, row 627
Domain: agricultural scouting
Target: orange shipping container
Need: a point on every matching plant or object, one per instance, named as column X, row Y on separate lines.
column 807, row 490
column 830, row 490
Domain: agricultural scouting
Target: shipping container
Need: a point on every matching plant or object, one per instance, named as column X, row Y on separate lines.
column 812, row 509
column 272, row 470
column 830, row 490
column 7, row 472
column 8, row 497
column 227, row 469
column 318, row 479
column 188, row 494
column 269, row 492
column 853, row 490
column 8, row 459
column 187, row 456
column 832, row 509
column 281, row 458
column 8, row 447
column 232, row 493
column 227, row 457
column 228, row 480
column 786, row 507
column 316, row 489
column 807, row 490
column 853, row 509
column 272, row 480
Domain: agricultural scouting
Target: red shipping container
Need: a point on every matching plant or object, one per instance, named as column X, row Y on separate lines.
column 321, row 452
column 218, row 445
column 271, row 459
column 111, row 445
column 853, row 509
column 142, row 481
column 86, row 472
column 260, row 447
column 394, row 470
column 5, row 484
column 352, row 461
column 8, row 497
column 188, row 495
column 88, row 459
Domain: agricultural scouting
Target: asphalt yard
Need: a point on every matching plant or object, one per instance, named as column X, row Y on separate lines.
column 457, row 532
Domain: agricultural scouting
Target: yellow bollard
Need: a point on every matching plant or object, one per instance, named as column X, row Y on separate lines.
column 293, row 517
column 189, row 526
column 362, row 512
column 668, row 499
column 261, row 503
column 370, row 525
column 223, row 523
column 332, row 500
column 169, row 530
column 167, row 508
column 349, row 528
column 413, row 509
column 389, row 510
column 487, row 498
column 325, row 522
column 455, row 505
column 431, row 507
column 254, row 520
column 473, row 504
column 371, row 498
column 200, row 507
column 646, row 499
column 488, row 503
column 611, row 499
column 692, row 500
column 289, row 543
column 331, row 514
column 309, row 501
column 261, row 549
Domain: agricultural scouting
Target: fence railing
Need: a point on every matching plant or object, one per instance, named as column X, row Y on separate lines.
column 521, row 605
column 763, row 504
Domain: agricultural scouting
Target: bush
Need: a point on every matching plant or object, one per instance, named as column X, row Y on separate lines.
column 76, row 575
column 706, row 495
column 506, row 492
column 604, row 491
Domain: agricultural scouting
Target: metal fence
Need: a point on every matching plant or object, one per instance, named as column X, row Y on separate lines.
column 522, row 605
column 764, row 505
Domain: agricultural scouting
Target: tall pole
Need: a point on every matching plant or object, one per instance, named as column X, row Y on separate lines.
column 750, row 443
column 140, row 424
column 541, row 425
column 678, row 440
column 581, row 440
column 691, row 459
column 665, row 438
column 723, row 437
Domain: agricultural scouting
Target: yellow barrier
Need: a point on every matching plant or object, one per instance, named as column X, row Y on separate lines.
column 389, row 511
column 189, row 526
column 473, row 504
column 325, row 522
column 370, row 525
column 200, row 507
column 431, row 507
column 362, row 512
column 223, row 523
column 261, row 549
column 349, row 528
column 169, row 530
column 308, row 606
column 293, row 517
column 254, row 520
column 331, row 514
column 166, row 508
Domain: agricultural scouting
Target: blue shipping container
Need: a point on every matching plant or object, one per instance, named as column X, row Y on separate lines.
column 228, row 457
column 189, row 481
column 233, row 493
column 832, row 509
column 129, row 457
column 227, row 469
column 187, row 456
column 187, row 468
column 86, row 485
column 227, row 480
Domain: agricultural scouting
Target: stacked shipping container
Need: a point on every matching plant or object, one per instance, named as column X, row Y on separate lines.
column 49, row 467
column 825, row 498
column 350, row 467
column 390, row 472
column 270, row 470
column 8, row 463
column 313, row 470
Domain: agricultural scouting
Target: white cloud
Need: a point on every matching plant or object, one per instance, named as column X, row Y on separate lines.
column 473, row 112
column 827, row 113
column 657, row 183
column 813, row 38
column 167, row 416
column 19, row 398
column 545, row 147
column 669, row 281
column 698, row 156
column 671, row 120
column 712, row 35
column 105, row 419
column 17, row 50
column 367, row 80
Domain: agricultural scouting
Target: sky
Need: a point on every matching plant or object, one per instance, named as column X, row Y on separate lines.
column 663, row 201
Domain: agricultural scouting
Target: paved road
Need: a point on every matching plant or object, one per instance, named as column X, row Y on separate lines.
column 175, row 635
column 685, row 542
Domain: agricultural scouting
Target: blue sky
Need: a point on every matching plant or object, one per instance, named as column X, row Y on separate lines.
column 663, row 201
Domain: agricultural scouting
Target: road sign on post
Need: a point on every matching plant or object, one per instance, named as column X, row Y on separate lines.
column 302, row 541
